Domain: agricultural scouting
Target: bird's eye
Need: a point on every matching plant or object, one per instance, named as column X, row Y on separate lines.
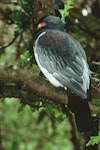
column 50, row 20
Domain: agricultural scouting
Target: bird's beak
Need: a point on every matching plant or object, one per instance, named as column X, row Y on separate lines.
column 42, row 24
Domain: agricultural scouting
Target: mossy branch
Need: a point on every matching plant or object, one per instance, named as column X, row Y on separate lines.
column 21, row 83
column 29, row 87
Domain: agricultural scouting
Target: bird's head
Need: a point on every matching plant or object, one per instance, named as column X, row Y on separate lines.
column 51, row 22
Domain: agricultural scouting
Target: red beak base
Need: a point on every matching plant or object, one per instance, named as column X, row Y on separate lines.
column 42, row 24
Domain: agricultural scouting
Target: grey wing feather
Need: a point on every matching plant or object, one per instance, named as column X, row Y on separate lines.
column 63, row 60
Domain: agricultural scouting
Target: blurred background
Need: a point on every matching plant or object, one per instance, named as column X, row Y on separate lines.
column 20, row 126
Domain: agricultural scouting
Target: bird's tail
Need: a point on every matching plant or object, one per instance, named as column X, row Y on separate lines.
column 81, row 109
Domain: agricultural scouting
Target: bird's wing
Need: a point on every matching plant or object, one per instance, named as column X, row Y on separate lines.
column 65, row 59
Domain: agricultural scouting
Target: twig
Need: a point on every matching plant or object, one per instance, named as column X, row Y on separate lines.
column 10, row 42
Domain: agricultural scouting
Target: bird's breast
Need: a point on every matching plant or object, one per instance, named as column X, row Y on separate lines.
column 51, row 39
column 47, row 74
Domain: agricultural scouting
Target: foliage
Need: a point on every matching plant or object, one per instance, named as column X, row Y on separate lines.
column 65, row 12
column 26, row 58
column 27, row 130
column 93, row 140
column 21, row 16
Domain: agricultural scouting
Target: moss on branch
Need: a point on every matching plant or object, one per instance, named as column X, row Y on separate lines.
column 29, row 87
column 21, row 83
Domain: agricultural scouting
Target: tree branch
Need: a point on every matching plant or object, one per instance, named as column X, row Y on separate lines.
column 29, row 87
column 10, row 42
column 21, row 83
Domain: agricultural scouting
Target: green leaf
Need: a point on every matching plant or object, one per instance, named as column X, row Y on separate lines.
column 38, row 103
column 1, row 99
column 65, row 12
column 49, row 109
column 26, row 58
column 20, row 19
column 21, row 107
column 63, row 15
column 17, row 19
column 93, row 140
column 26, row 5
column 33, row 109
column 61, row 117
